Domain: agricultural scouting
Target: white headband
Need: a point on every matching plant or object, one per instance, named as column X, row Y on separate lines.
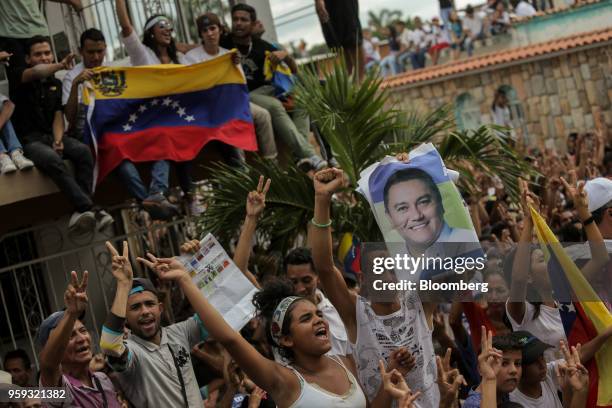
column 155, row 21
column 278, row 317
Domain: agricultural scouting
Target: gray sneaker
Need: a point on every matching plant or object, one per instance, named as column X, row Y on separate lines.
column 21, row 161
column 159, row 208
column 81, row 222
column 103, row 220
column 6, row 164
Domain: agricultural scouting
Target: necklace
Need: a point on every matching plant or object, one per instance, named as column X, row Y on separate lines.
column 242, row 56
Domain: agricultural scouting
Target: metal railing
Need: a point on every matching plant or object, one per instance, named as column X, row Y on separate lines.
column 35, row 265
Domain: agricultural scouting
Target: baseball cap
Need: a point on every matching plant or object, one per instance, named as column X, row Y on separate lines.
column 533, row 347
column 141, row 285
column 206, row 20
column 599, row 192
column 49, row 324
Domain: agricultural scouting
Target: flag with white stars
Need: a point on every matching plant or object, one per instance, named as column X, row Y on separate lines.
column 169, row 112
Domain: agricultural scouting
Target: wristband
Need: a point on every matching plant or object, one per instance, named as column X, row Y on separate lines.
column 588, row 221
column 327, row 224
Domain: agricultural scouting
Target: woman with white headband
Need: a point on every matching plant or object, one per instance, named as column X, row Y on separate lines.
column 157, row 46
column 298, row 330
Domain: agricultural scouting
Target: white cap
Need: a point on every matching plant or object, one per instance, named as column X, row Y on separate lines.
column 599, row 192
column 5, row 378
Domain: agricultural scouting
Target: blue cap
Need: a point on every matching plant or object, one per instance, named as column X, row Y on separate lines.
column 141, row 285
column 49, row 324
column 46, row 326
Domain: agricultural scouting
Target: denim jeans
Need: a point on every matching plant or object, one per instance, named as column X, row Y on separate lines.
column 160, row 172
column 418, row 59
column 388, row 66
column 8, row 139
column 78, row 187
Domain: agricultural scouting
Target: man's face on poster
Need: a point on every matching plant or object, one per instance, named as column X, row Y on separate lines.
column 414, row 212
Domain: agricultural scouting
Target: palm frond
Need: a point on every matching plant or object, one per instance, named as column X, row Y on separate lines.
column 354, row 119
column 289, row 202
column 483, row 149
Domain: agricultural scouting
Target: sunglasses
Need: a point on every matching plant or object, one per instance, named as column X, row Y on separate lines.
column 165, row 25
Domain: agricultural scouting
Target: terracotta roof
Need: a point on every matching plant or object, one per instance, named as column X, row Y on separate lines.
column 500, row 57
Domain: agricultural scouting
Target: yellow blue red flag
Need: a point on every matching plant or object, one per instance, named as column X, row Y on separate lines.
column 166, row 112
column 583, row 318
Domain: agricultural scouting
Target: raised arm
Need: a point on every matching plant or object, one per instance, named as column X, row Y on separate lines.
column 111, row 340
column 42, row 71
column 326, row 182
column 270, row 376
column 599, row 253
column 489, row 364
column 124, row 18
column 255, row 204
column 521, row 263
column 75, row 300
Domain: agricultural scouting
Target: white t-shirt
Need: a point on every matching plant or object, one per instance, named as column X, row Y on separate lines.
column 473, row 24
column 370, row 51
column 405, row 37
column 524, row 9
column 548, row 399
column 67, row 82
column 419, row 38
column 199, row 54
column 140, row 54
column 547, row 327
column 378, row 336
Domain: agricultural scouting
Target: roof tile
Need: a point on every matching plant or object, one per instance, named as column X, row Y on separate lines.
column 481, row 61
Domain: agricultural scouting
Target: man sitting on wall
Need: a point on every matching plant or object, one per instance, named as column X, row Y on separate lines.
column 39, row 122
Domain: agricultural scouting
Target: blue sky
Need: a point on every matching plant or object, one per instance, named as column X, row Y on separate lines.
column 308, row 28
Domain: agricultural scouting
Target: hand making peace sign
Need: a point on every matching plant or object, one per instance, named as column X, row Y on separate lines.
column 75, row 296
column 256, row 200
column 121, row 267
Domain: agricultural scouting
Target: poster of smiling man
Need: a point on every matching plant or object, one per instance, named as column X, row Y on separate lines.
column 420, row 212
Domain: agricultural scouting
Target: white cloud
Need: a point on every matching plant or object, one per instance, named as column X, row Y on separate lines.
column 309, row 29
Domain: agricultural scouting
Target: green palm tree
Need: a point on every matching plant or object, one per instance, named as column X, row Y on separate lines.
column 361, row 125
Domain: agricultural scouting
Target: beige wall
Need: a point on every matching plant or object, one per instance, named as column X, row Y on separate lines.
column 558, row 94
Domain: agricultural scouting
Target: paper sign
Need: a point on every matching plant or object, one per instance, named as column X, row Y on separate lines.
column 221, row 282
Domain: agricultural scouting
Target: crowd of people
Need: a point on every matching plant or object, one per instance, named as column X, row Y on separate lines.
column 40, row 105
column 319, row 337
column 450, row 30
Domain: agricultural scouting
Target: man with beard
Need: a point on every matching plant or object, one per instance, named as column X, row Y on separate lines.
column 66, row 352
column 153, row 365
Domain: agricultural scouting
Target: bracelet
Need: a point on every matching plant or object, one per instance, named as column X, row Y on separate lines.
column 327, row 224
column 588, row 221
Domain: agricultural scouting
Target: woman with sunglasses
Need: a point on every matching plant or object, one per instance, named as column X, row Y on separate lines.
column 157, row 46
column 297, row 329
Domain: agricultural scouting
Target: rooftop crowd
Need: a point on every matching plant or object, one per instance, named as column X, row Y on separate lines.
column 454, row 31
column 318, row 337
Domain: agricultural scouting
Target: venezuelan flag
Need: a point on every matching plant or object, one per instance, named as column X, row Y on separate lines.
column 166, row 112
column 279, row 76
column 583, row 315
column 349, row 253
